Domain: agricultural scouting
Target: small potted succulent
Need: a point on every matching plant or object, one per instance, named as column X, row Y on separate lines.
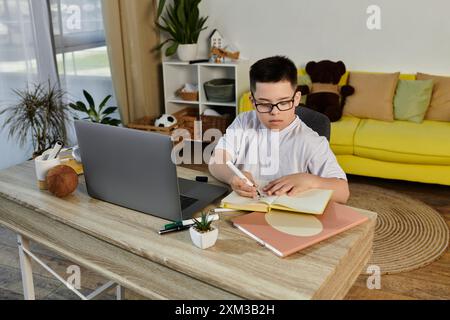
column 203, row 234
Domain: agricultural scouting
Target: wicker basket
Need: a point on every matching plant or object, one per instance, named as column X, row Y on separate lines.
column 189, row 96
column 148, row 124
column 188, row 116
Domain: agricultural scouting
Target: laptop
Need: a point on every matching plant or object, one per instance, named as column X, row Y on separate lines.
column 134, row 169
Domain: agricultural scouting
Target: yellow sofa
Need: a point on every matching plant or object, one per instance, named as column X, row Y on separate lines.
column 392, row 150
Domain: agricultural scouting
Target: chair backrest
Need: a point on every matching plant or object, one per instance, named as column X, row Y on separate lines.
column 315, row 120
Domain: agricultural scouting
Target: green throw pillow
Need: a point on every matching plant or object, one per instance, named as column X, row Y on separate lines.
column 412, row 99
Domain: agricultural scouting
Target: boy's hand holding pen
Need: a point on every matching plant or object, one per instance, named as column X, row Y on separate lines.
column 243, row 183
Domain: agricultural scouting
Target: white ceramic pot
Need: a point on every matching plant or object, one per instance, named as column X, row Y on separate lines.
column 187, row 52
column 43, row 166
column 204, row 240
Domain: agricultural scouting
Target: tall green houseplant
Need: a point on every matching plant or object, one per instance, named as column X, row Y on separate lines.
column 41, row 114
column 182, row 23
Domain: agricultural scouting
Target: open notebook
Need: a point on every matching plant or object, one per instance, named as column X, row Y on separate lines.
column 313, row 201
column 286, row 233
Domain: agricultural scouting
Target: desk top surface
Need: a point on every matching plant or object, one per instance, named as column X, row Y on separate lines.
column 236, row 263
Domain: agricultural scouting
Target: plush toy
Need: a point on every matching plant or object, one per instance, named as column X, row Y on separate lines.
column 165, row 121
column 325, row 95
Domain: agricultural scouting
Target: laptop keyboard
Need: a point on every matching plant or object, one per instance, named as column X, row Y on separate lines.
column 186, row 201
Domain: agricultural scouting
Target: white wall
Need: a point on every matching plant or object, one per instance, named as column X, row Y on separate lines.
column 414, row 35
column 10, row 151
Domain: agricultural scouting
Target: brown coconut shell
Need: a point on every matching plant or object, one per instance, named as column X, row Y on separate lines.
column 62, row 181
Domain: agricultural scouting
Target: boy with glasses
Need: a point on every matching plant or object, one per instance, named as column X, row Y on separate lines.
column 272, row 146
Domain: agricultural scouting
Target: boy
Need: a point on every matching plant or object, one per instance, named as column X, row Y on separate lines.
column 300, row 158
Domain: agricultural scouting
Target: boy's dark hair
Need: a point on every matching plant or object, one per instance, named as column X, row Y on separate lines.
column 273, row 69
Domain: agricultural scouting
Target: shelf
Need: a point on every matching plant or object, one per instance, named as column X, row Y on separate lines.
column 175, row 100
column 205, row 64
column 223, row 104
column 177, row 73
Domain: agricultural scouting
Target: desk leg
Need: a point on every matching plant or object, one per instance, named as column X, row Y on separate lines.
column 25, row 268
column 120, row 292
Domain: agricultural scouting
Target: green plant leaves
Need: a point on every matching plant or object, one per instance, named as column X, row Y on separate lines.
column 181, row 21
column 204, row 224
column 89, row 99
column 161, row 5
column 103, row 103
column 109, row 110
column 180, row 13
column 41, row 114
column 94, row 114
column 172, row 49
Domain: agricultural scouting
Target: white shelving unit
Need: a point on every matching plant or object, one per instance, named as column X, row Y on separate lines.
column 177, row 73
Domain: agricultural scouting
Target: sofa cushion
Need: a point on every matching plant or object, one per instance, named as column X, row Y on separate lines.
column 404, row 141
column 373, row 97
column 412, row 99
column 440, row 101
column 342, row 133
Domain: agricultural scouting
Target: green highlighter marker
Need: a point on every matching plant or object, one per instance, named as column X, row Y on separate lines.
column 188, row 222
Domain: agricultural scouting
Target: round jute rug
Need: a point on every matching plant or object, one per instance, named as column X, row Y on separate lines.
column 408, row 235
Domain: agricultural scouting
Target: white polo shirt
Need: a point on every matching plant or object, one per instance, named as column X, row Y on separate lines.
column 269, row 155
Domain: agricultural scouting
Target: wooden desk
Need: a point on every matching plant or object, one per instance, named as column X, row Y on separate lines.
column 124, row 246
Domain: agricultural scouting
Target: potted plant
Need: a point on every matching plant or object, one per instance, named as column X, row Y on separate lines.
column 203, row 234
column 41, row 113
column 96, row 114
column 183, row 24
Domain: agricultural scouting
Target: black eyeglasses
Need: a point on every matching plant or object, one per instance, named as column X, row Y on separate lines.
column 267, row 107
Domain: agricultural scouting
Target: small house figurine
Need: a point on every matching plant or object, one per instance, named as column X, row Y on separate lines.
column 216, row 40
column 220, row 51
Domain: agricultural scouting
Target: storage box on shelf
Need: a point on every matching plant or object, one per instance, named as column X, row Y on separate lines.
column 187, row 96
column 187, row 117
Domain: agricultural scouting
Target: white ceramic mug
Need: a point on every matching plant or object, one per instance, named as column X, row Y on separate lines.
column 42, row 167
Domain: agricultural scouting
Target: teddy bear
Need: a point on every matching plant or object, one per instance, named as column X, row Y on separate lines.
column 325, row 95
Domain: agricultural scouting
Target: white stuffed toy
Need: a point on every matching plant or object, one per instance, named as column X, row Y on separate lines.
column 166, row 120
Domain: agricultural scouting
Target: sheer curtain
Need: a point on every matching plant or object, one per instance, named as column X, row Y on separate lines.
column 25, row 41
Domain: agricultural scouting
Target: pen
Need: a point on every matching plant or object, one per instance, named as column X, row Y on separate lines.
column 212, row 217
column 180, row 228
column 218, row 210
column 55, row 151
column 242, row 176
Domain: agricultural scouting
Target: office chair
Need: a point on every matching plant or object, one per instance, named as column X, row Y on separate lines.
column 315, row 120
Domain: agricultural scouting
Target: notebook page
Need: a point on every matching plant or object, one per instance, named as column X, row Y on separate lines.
column 311, row 201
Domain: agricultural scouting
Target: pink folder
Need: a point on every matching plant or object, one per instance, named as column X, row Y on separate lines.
column 337, row 218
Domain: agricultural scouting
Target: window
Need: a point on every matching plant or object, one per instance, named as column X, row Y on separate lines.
column 77, row 25
column 80, row 47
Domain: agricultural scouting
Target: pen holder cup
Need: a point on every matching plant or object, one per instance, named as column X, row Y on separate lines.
column 42, row 167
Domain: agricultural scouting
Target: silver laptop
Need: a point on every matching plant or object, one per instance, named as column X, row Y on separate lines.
column 134, row 169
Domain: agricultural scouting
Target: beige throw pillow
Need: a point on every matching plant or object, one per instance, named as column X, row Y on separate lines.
column 439, row 109
column 373, row 97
